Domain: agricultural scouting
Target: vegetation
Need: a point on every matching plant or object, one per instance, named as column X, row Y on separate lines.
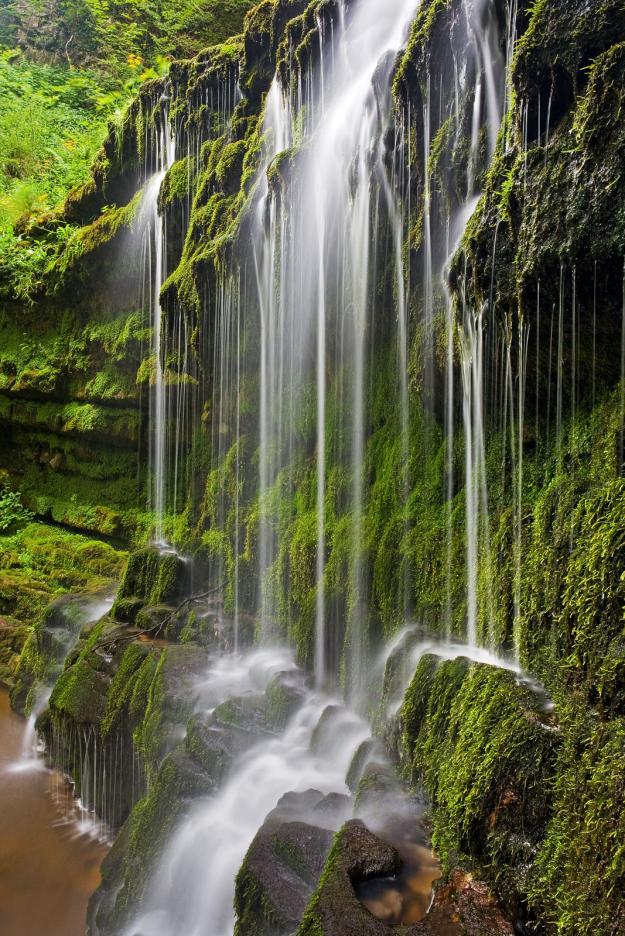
column 13, row 514
column 532, row 800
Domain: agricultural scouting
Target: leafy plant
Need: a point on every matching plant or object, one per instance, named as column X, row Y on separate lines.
column 13, row 514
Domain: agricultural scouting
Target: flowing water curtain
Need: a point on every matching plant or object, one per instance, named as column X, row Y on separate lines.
column 315, row 244
column 165, row 142
column 463, row 97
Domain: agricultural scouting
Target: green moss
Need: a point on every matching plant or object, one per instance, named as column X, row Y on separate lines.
column 575, row 883
column 177, row 783
column 79, row 693
column 486, row 753
column 123, row 689
column 176, row 184
column 154, row 577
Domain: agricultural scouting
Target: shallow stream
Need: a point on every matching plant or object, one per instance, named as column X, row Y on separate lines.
column 49, row 864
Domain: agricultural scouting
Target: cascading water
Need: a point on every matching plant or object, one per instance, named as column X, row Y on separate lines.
column 71, row 617
column 482, row 83
column 193, row 887
column 314, row 268
column 328, row 202
column 163, row 154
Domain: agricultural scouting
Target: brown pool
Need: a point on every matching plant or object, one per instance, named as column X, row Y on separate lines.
column 48, row 866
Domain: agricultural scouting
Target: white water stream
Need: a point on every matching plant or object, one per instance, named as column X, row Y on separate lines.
column 193, row 887
column 314, row 265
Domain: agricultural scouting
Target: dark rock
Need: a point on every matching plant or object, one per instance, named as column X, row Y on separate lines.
column 370, row 749
column 357, row 854
column 333, row 810
column 126, row 609
column 278, row 876
column 464, row 907
column 379, row 789
column 154, row 577
column 284, row 696
column 247, row 711
column 461, row 906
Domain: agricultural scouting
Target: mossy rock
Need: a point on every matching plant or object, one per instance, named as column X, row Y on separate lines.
column 369, row 750
column 278, row 875
column 284, row 696
column 126, row 876
column 13, row 636
column 126, row 609
column 45, row 649
column 482, row 745
column 214, row 742
column 154, row 577
column 334, row 909
column 247, row 712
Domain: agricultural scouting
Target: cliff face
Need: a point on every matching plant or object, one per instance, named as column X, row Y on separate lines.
column 538, row 267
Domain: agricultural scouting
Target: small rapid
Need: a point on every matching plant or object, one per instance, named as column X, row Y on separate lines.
column 192, row 890
column 79, row 613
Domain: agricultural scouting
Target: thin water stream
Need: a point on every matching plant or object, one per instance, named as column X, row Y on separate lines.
column 48, row 866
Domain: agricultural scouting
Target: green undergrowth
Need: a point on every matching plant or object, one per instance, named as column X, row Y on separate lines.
column 45, row 561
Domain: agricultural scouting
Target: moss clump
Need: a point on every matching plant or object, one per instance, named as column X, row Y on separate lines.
column 153, row 577
column 575, row 882
column 176, row 184
column 486, row 753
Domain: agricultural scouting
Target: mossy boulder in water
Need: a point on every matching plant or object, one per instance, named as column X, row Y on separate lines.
column 485, row 748
column 280, row 871
column 334, row 910
column 461, row 907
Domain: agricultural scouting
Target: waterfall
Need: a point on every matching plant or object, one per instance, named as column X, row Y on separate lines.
column 314, row 274
column 170, row 400
column 76, row 614
column 193, row 888
column 163, row 154
column 490, row 72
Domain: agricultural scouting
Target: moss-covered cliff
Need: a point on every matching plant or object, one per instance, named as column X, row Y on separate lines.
column 533, row 801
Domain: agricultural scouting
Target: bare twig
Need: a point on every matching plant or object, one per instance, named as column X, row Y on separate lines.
column 157, row 628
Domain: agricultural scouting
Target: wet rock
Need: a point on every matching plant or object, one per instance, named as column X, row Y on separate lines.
column 379, row 789
column 461, row 906
column 284, row 696
column 333, row 810
column 126, row 873
column 151, row 618
column 313, row 807
column 357, row 854
column 246, row 711
column 154, row 577
column 126, row 609
column 278, row 876
column 492, row 811
column 297, row 805
column 214, row 743
column 369, row 750
column 323, row 728
column 464, row 907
